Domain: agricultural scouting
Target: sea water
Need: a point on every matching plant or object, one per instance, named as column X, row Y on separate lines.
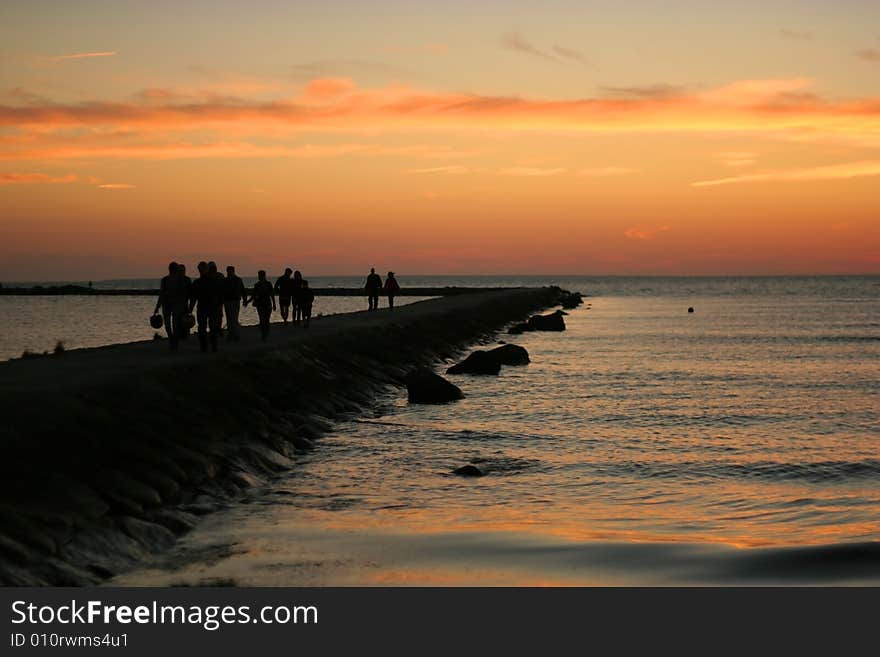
column 643, row 445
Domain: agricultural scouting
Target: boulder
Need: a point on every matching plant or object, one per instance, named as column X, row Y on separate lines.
column 468, row 470
column 510, row 354
column 479, row 362
column 551, row 322
column 571, row 299
column 425, row 387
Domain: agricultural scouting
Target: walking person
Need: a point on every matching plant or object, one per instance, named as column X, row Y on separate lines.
column 264, row 301
column 185, row 328
column 284, row 288
column 207, row 294
column 173, row 297
column 295, row 310
column 234, row 295
column 372, row 286
column 306, row 299
column 219, row 281
column 391, row 288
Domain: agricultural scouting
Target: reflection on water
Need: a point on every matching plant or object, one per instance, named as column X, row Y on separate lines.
column 643, row 445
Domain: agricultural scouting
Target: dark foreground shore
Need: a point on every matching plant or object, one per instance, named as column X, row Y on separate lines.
column 110, row 453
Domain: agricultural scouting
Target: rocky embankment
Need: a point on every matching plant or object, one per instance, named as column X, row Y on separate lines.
column 109, row 454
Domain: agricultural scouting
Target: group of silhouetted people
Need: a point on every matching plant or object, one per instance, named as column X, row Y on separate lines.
column 213, row 295
column 295, row 298
column 374, row 286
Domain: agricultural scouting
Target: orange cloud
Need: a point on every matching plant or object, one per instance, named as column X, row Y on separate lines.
column 177, row 150
column 746, row 105
column 644, row 232
column 829, row 172
column 775, row 108
column 31, row 178
column 116, row 186
column 83, row 55
column 451, row 169
column 326, row 89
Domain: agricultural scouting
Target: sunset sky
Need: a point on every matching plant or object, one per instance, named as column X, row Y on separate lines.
column 590, row 137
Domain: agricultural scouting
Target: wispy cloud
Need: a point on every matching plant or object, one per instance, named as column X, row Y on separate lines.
column 517, row 171
column 647, row 92
column 530, row 171
column 116, row 186
column 454, row 169
column 516, row 42
column 868, row 54
column 737, row 158
column 571, row 53
column 82, row 55
column 32, row 178
column 606, row 171
column 642, row 232
column 348, row 68
column 829, row 172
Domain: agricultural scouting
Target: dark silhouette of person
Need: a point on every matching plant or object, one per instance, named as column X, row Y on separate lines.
column 284, row 288
column 296, row 312
column 306, row 299
column 391, row 288
column 219, row 278
column 372, row 286
column 207, row 294
column 264, row 301
column 185, row 329
column 233, row 296
column 173, row 297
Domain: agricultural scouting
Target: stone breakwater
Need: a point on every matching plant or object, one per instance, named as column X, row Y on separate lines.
column 109, row 454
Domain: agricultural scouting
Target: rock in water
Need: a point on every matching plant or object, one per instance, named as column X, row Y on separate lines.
column 571, row 300
column 479, row 362
column 551, row 322
column 468, row 470
column 511, row 354
column 425, row 387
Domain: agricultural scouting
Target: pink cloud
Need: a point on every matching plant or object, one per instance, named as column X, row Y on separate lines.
column 83, row 55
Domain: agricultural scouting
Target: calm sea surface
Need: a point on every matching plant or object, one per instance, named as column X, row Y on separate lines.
column 740, row 443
